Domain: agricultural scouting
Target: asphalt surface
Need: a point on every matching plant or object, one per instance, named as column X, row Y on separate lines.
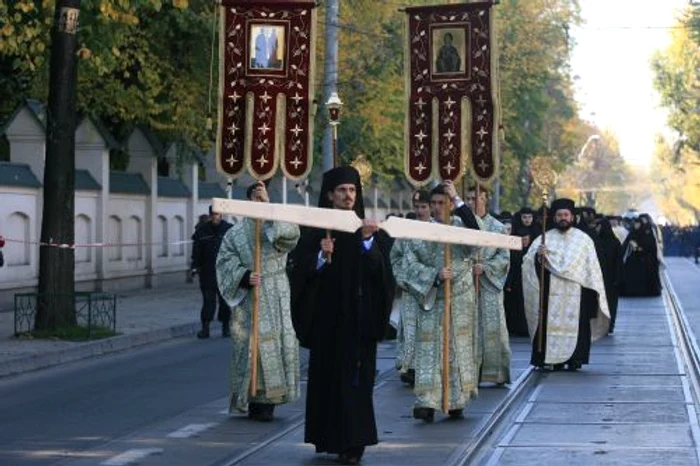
column 49, row 415
column 166, row 405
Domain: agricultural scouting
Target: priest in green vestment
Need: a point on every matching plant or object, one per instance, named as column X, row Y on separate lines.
column 409, row 304
column 491, row 271
column 278, row 348
column 426, row 274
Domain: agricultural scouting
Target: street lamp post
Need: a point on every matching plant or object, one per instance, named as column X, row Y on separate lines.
column 334, row 104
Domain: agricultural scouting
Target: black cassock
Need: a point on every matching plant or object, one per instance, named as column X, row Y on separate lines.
column 588, row 310
column 640, row 270
column 339, row 312
column 611, row 266
column 513, row 300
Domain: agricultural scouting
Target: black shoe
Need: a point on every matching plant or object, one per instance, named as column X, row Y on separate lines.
column 225, row 330
column 573, row 366
column 352, row 455
column 426, row 414
column 204, row 333
column 261, row 412
column 456, row 413
column 253, row 410
column 409, row 377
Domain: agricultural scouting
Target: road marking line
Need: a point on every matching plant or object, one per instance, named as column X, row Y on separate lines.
column 191, row 430
column 131, row 456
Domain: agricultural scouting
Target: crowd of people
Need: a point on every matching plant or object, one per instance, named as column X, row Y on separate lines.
column 335, row 293
column 681, row 241
column 629, row 252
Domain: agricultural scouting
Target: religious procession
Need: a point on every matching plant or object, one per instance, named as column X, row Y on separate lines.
column 424, row 249
column 452, row 280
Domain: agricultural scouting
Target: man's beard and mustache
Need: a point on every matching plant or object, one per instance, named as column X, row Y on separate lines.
column 563, row 225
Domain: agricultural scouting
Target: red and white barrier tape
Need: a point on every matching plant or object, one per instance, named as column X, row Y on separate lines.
column 86, row 245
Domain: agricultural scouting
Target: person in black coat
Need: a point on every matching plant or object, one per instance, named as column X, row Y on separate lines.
column 527, row 229
column 342, row 294
column 206, row 242
column 611, row 265
column 640, row 269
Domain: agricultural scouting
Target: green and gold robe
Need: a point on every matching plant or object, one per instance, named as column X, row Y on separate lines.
column 493, row 332
column 422, row 265
column 278, row 351
column 409, row 306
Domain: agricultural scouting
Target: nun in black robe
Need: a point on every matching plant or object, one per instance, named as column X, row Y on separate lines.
column 640, row 269
column 513, row 300
column 610, row 255
column 340, row 311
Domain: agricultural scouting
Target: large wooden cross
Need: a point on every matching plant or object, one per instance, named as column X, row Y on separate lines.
column 348, row 221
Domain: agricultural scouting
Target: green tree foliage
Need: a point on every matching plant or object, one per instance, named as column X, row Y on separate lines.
column 674, row 174
column 147, row 62
column 539, row 112
column 371, row 84
column 677, row 79
column 142, row 61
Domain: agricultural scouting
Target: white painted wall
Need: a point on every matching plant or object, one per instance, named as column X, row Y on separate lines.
column 126, row 219
column 27, row 141
column 170, row 228
column 18, row 220
column 86, row 208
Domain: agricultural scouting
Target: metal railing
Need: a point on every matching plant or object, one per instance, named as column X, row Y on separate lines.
column 93, row 310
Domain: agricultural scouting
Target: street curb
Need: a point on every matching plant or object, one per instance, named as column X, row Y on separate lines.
column 95, row 348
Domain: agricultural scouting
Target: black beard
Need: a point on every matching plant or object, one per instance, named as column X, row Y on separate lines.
column 563, row 225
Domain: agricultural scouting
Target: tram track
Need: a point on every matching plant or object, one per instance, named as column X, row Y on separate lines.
column 296, row 423
column 687, row 354
column 468, row 451
column 500, row 428
column 488, row 434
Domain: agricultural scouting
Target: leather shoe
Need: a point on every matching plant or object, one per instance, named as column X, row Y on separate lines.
column 426, row 414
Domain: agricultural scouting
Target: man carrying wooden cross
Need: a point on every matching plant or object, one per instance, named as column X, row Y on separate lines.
column 427, row 274
column 278, row 361
column 342, row 294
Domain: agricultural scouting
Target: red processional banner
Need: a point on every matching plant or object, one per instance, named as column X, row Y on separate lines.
column 266, row 87
column 452, row 90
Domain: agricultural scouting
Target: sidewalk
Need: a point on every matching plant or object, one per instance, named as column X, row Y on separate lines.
column 143, row 317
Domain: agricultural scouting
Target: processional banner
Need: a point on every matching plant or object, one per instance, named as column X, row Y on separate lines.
column 452, row 90
column 266, row 87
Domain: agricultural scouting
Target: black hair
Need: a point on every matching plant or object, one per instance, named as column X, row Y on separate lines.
column 438, row 190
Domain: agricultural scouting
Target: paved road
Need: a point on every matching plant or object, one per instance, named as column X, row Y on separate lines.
column 47, row 415
column 166, row 406
column 630, row 406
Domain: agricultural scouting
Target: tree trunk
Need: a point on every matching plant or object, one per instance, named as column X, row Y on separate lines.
column 55, row 306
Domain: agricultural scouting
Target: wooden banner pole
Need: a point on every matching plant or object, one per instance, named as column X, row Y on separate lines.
column 446, row 321
column 540, row 323
column 477, row 279
column 254, row 337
